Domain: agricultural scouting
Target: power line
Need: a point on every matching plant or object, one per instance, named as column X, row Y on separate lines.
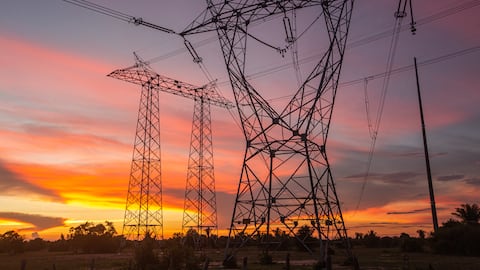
column 368, row 39
column 402, row 69
column 434, row 17
column 399, row 15
column 130, row 19
column 386, row 77
column 101, row 9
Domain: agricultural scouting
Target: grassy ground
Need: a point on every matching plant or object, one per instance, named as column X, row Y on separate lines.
column 43, row 260
column 395, row 259
column 369, row 259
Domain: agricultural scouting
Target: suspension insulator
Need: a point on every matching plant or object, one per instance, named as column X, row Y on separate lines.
column 288, row 29
column 191, row 50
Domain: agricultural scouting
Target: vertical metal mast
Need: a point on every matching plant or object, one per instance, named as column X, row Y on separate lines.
column 427, row 159
column 286, row 182
column 200, row 212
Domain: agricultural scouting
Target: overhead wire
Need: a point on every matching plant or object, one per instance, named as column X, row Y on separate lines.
column 398, row 28
column 139, row 21
column 364, row 41
column 385, row 75
column 367, row 107
column 101, row 9
column 431, row 18
column 399, row 15
column 402, row 69
column 405, row 68
column 128, row 18
column 294, row 44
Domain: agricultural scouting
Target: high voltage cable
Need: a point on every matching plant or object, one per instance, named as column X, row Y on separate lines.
column 383, row 95
column 434, row 17
column 386, row 76
column 366, row 40
column 400, row 14
column 402, row 69
column 128, row 18
column 139, row 21
column 410, row 67
column 101, row 9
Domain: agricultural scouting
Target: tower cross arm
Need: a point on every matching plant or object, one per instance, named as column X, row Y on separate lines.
column 225, row 14
column 142, row 74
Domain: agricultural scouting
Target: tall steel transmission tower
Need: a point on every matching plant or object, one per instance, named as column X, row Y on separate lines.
column 286, row 182
column 200, row 212
column 143, row 209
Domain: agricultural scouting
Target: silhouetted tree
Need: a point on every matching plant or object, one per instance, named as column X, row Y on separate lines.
column 12, row 243
column 468, row 213
column 304, row 234
column 94, row 238
column 371, row 240
column 421, row 234
column 145, row 258
column 459, row 237
column 192, row 238
column 409, row 244
column 59, row 245
column 179, row 255
column 283, row 240
column 451, row 223
column 35, row 244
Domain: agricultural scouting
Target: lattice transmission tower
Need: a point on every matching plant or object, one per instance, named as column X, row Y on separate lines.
column 286, row 182
column 200, row 211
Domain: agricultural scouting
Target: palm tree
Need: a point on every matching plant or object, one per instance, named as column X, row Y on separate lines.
column 468, row 213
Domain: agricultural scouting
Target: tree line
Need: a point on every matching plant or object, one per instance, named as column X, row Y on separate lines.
column 458, row 235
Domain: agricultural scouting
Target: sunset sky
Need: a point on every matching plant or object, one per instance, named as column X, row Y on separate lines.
column 67, row 130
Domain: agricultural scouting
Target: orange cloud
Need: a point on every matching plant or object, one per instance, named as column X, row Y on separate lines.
column 13, row 183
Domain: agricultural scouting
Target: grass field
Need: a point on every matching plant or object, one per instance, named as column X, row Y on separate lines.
column 368, row 259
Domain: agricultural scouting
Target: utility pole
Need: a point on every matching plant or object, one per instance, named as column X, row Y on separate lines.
column 427, row 158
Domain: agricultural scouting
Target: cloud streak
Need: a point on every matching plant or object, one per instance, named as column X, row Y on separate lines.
column 12, row 184
column 408, row 212
column 39, row 222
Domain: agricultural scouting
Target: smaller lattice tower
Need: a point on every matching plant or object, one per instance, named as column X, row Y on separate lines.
column 200, row 211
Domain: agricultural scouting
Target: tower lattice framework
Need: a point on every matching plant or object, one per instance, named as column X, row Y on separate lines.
column 286, row 182
column 200, row 209
column 200, row 212
column 143, row 208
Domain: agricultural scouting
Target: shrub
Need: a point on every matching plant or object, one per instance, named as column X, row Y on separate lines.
column 144, row 255
column 461, row 239
column 94, row 238
column 12, row 243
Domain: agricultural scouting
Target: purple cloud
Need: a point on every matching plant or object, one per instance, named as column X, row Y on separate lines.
column 39, row 222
